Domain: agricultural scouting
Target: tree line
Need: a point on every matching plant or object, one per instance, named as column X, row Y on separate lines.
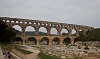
column 93, row 35
column 7, row 33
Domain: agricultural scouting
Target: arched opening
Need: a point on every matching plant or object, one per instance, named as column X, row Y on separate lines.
column 18, row 29
column 56, row 41
column 30, row 31
column 80, row 32
column 42, row 31
column 67, row 41
column 87, row 31
column 64, row 32
column 31, row 41
column 8, row 21
column 18, row 40
column 73, row 32
column 12, row 21
column 44, row 41
column 75, row 40
column 53, row 31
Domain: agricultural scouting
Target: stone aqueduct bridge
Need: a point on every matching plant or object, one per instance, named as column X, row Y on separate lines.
column 36, row 24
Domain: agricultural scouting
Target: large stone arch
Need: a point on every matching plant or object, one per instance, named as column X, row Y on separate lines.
column 18, row 40
column 31, row 41
column 29, row 27
column 18, row 28
column 53, row 32
column 30, row 30
column 44, row 41
column 55, row 41
column 43, row 32
column 73, row 32
column 64, row 31
column 67, row 41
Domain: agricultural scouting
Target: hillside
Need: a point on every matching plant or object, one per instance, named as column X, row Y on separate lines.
column 31, row 33
column 93, row 35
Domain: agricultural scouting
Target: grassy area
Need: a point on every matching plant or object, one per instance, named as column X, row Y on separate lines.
column 24, row 51
column 6, row 46
column 98, row 46
column 9, row 47
column 44, row 56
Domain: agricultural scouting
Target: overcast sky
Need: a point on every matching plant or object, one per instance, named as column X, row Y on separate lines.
column 81, row 12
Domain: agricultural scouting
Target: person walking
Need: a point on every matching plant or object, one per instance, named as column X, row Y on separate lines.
column 9, row 55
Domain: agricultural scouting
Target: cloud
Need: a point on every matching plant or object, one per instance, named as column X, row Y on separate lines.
column 81, row 12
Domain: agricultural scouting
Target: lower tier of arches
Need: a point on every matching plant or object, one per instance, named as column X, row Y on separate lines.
column 45, row 40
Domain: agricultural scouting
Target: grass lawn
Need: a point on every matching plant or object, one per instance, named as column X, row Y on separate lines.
column 98, row 46
column 44, row 56
column 9, row 47
column 24, row 51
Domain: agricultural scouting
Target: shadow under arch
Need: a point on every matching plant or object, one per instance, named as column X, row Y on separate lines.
column 31, row 41
column 67, row 41
column 75, row 40
column 44, row 41
column 56, row 41
column 18, row 40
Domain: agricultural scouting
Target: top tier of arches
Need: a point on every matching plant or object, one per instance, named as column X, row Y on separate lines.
column 28, row 22
column 23, row 23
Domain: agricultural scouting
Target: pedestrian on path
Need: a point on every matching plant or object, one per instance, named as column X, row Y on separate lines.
column 9, row 55
column 6, row 53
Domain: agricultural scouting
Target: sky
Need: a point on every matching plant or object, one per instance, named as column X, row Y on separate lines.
column 80, row 12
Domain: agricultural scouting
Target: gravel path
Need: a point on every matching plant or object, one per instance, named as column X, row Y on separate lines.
column 34, row 54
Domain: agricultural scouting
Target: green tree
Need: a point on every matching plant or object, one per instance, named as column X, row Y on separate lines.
column 93, row 35
column 6, row 33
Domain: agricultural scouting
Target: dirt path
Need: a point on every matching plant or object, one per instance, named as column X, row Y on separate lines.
column 33, row 55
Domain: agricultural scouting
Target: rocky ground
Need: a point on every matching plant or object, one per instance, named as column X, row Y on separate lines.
column 71, row 51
